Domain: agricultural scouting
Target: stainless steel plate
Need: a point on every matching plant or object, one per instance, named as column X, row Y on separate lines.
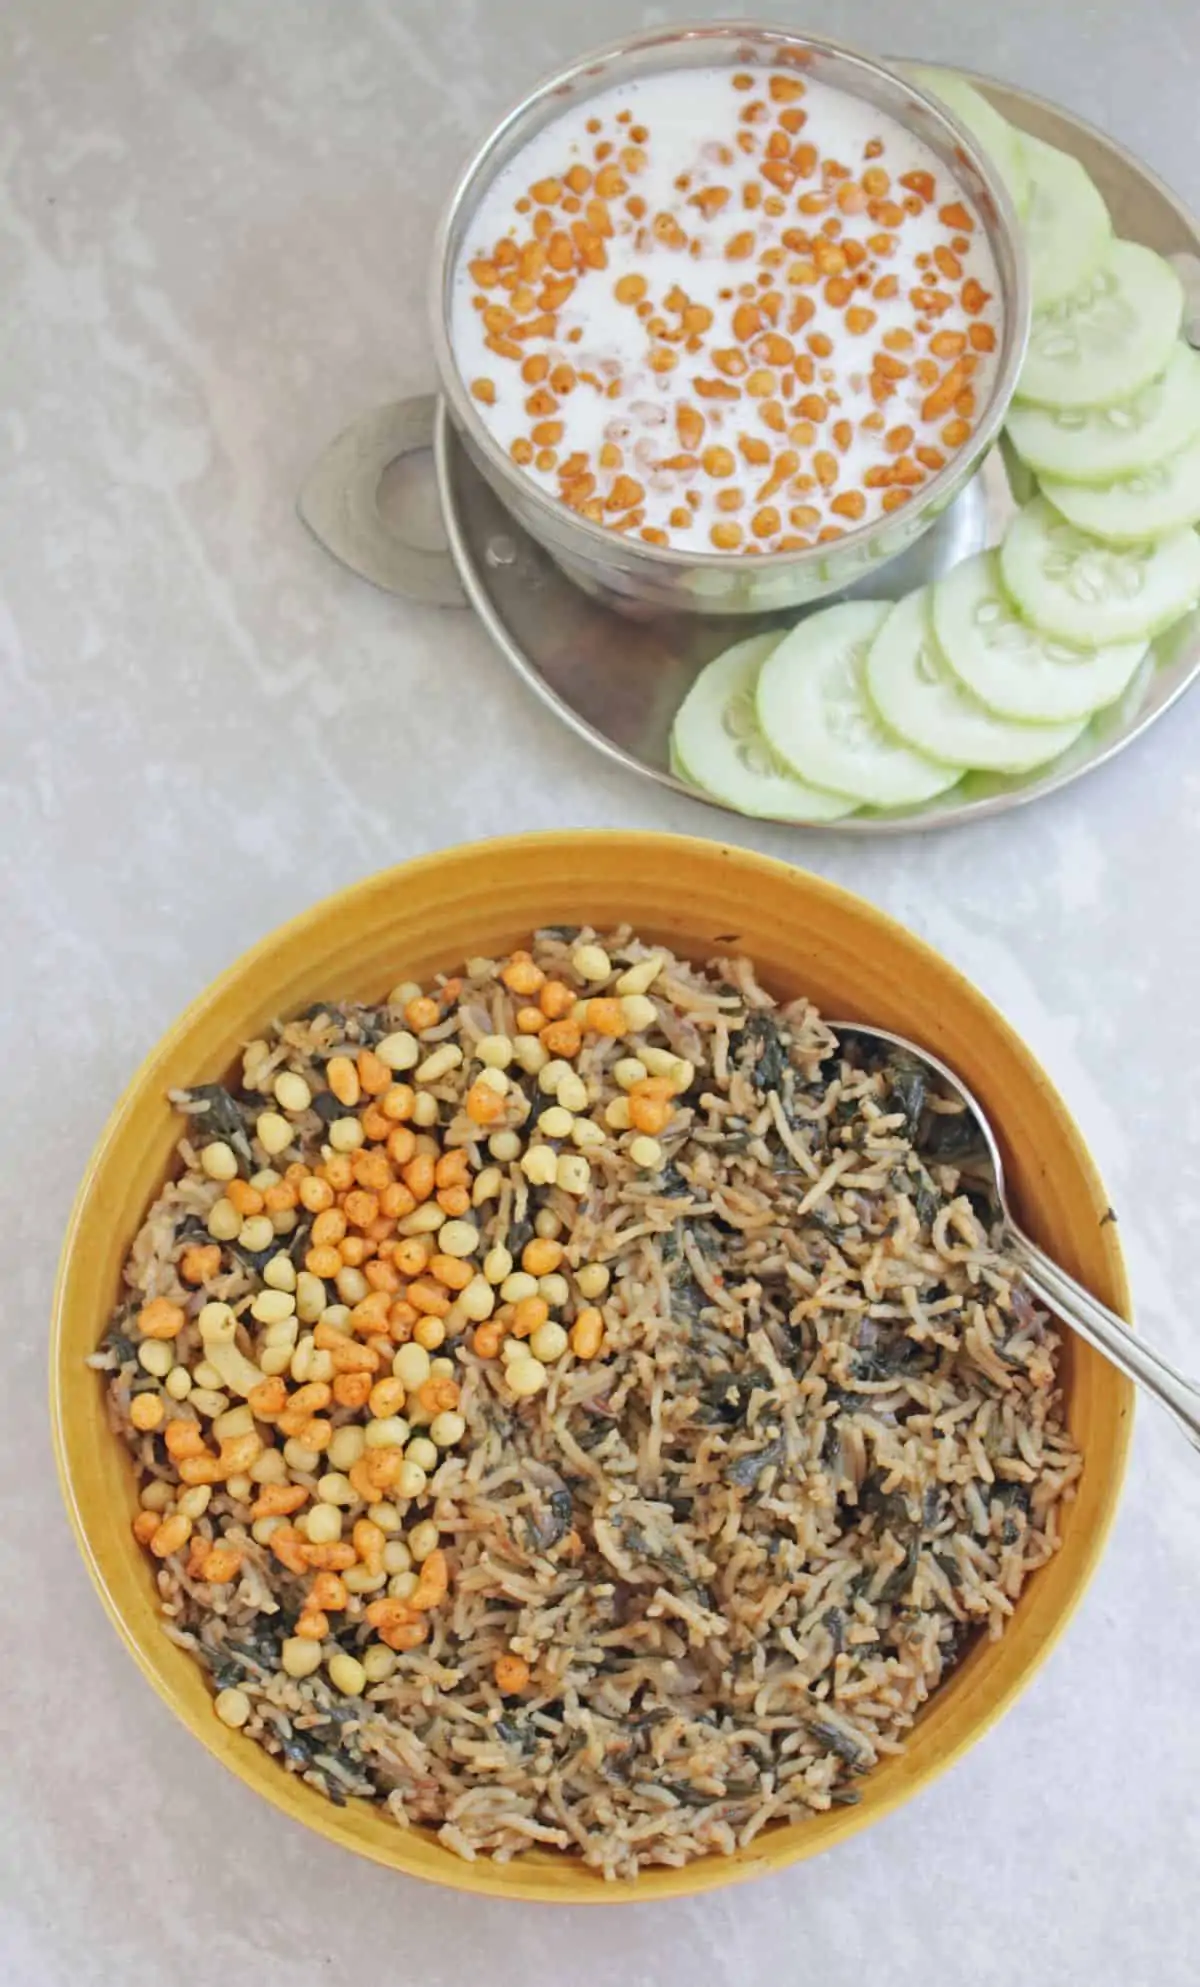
column 618, row 680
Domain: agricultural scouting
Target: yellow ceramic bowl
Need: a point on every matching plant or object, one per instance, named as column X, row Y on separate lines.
column 699, row 898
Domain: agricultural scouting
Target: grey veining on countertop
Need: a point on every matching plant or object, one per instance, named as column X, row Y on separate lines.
column 214, row 225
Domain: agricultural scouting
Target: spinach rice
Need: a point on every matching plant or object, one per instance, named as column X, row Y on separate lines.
column 728, row 1555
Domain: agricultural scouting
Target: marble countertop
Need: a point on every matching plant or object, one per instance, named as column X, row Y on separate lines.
column 214, row 224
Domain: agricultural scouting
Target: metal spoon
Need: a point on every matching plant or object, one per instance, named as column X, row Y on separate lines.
column 1051, row 1285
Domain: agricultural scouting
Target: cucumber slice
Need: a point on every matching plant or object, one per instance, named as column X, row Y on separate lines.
column 1076, row 589
column 716, row 737
column 1003, row 145
column 1008, row 665
column 1097, row 444
column 814, row 710
column 917, row 694
column 1021, row 480
column 1067, row 228
column 1110, row 337
column 1146, row 504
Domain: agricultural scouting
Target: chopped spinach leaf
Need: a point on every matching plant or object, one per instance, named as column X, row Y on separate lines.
column 221, row 1118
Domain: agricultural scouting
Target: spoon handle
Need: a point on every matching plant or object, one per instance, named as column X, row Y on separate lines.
column 1108, row 1333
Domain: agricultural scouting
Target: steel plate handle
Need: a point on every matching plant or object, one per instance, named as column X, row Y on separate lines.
column 339, row 502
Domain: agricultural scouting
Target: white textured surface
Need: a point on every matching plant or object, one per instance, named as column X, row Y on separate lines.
column 214, row 221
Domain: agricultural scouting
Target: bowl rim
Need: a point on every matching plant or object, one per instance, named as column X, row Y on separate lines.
column 244, row 1757
column 582, row 75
